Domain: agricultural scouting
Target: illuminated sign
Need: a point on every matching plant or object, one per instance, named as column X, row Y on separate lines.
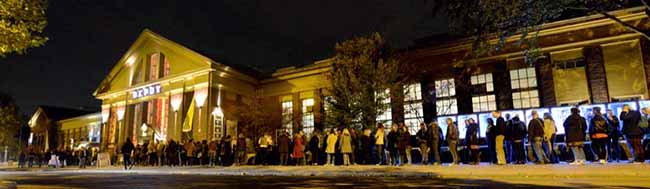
column 146, row 91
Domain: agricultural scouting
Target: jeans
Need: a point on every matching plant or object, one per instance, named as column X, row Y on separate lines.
column 380, row 154
column 315, row 155
column 625, row 147
column 637, row 147
column 578, row 151
column 453, row 150
column 331, row 159
column 213, row 158
column 539, row 151
column 500, row 150
column 127, row 161
column 284, row 157
column 435, row 147
column 394, row 157
column 599, row 146
column 424, row 150
column 614, row 148
column 550, row 150
column 346, row 159
column 241, row 157
column 518, row 151
column 492, row 149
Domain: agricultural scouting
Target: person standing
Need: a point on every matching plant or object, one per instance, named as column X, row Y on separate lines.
column 393, row 152
column 403, row 144
column 632, row 123
column 189, row 150
column 472, row 141
column 550, row 129
column 345, row 145
column 598, row 129
column 212, row 152
column 332, row 138
column 299, row 148
column 575, row 127
column 83, row 156
column 452, row 140
column 241, row 149
column 490, row 134
column 283, row 147
column 127, row 151
column 500, row 132
column 264, row 143
column 518, row 134
column 536, row 136
column 422, row 136
column 509, row 151
column 435, row 136
column 315, row 146
column 379, row 144
column 613, row 136
column 366, row 147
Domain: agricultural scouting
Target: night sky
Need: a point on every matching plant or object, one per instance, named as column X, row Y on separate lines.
column 88, row 37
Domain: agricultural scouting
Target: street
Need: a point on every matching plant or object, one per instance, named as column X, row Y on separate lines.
column 484, row 176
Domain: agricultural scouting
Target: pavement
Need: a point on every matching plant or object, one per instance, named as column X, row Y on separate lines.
column 535, row 176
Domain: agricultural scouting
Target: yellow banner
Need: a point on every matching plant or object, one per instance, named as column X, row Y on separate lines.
column 187, row 123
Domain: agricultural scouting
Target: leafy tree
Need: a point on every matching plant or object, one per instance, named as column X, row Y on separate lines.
column 362, row 69
column 254, row 118
column 9, row 122
column 21, row 25
column 486, row 20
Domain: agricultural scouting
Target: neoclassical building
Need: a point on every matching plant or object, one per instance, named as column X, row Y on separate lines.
column 162, row 90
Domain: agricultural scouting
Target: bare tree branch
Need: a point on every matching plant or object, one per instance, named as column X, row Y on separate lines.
column 647, row 7
column 626, row 25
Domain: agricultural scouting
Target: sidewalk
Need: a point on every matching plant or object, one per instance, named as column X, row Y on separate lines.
column 463, row 171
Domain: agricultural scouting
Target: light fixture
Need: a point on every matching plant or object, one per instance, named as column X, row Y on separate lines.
column 217, row 112
column 130, row 60
column 120, row 113
column 176, row 101
column 200, row 95
column 105, row 115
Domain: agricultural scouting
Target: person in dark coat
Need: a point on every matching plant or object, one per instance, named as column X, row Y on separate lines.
column 536, row 137
column 435, row 136
column 283, row 148
column 393, row 138
column 598, row 131
column 632, row 131
column 127, row 149
column 490, row 134
column 575, row 127
column 422, row 137
column 366, row 147
column 517, row 135
column 452, row 140
column 403, row 144
column 472, row 141
column 315, row 146
column 613, row 136
column 499, row 140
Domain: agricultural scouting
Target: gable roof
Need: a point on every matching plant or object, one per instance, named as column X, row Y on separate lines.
column 59, row 113
column 150, row 35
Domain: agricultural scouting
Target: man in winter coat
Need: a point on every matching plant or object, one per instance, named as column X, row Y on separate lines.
column 536, row 137
column 422, row 137
column 283, row 148
column 452, row 141
column 472, row 141
column 518, row 134
column 315, row 146
column 435, row 136
column 127, row 150
column 633, row 132
column 576, row 127
column 599, row 129
column 404, row 144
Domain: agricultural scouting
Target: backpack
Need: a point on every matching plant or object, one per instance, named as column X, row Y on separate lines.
column 643, row 122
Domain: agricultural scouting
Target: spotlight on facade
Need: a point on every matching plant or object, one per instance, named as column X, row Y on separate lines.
column 130, row 60
column 217, row 112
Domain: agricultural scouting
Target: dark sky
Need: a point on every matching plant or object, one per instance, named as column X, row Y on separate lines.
column 88, row 37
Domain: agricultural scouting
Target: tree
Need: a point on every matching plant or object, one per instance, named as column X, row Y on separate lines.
column 21, row 25
column 486, row 20
column 254, row 118
column 362, row 69
column 9, row 122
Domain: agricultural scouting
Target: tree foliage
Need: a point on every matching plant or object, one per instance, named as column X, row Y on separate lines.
column 21, row 25
column 9, row 121
column 254, row 118
column 486, row 20
column 363, row 69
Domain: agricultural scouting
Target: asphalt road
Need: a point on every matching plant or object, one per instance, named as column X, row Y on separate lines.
column 529, row 176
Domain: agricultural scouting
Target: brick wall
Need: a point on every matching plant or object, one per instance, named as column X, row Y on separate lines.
column 502, row 88
column 596, row 74
column 545, row 77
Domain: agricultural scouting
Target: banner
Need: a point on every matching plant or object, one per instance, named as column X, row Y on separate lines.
column 187, row 123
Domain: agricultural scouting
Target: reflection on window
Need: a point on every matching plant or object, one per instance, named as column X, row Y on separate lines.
column 287, row 116
column 483, row 98
column 413, row 107
column 484, row 103
column 446, row 97
column 413, row 92
column 308, row 116
column 524, row 86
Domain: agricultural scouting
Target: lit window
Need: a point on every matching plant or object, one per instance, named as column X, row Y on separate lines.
column 524, row 85
column 483, row 98
column 446, row 97
column 308, row 116
column 287, row 116
column 413, row 92
column 413, row 112
column 386, row 115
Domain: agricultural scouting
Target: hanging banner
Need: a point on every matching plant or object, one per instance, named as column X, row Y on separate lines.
column 187, row 123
